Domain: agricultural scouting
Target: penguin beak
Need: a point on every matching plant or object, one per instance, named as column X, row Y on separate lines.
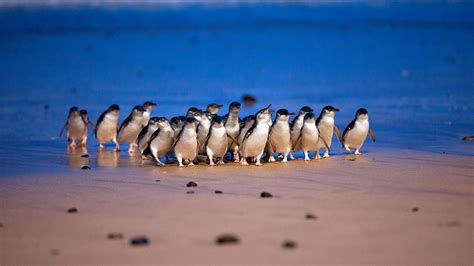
column 336, row 109
column 220, row 106
column 268, row 107
column 290, row 114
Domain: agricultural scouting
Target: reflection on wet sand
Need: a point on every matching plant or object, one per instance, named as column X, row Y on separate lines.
column 77, row 157
column 108, row 158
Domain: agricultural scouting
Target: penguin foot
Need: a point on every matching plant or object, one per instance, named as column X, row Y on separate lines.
column 117, row 150
column 243, row 161
column 347, row 148
column 284, row 160
column 72, row 145
column 357, row 152
column 160, row 164
column 221, row 161
column 326, row 155
column 191, row 164
column 258, row 163
column 271, row 159
column 101, row 147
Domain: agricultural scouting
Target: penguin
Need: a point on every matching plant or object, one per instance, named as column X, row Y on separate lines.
column 192, row 111
column 326, row 126
column 309, row 136
column 204, row 119
column 279, row 139
column 131, row 127
column 107, row 126
column 147, row 114
column 216, row 143
column 247, row 123
column 185, row 146
column 76, row 128
column 295, row 128
column 177, row 124
column 256, row 137
column 145, row 134
column 161, row 141
column 232, row 127
column 214, row 108
column 356, row 132
column 85, row 116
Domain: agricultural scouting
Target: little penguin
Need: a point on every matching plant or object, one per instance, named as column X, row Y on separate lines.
column 309, row 136
column 107, row 126
column 161, row 141
column 279, row 139
column 214, row 108
column 247, row 123
column 192, row 111
column 147, row 114
column 76, row 128
column 356, row 132
column 295, row 128
column 326, row 126
column 216, row 143
column 256, row 137
column 177, row 124
column 232, row 127
column 204, row 119
column 144, row 137
column 131, row 127
column 185, row 146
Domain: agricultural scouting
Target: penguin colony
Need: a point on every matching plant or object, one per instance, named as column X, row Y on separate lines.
column 204, row 136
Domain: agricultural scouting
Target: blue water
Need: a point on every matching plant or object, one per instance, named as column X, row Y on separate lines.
column 411, row 66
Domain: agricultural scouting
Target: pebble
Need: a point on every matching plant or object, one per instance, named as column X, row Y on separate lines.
column 190, row 192
column 72, row 210
column 218, row 192
column 191, row 184
column 85, row 156
column 289, row 244
column 157, row 180
column 249, row 100
column 265, row 195
column 227, row 239
column 415, row 209
column 115, row 236
column 139, row 241
column 54, row 252
column 85, row 167
column 468, row 138
column 1, row 225
column 310, row 216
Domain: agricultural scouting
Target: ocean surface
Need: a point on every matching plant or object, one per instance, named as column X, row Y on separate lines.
column 410, row 65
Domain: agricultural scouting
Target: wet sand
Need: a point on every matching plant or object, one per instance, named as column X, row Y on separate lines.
column 389, row 207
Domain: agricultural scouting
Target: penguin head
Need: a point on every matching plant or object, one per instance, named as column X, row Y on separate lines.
column 305, row 110
column 162, row 122
column 329, row 111
column 138, row 110
column 309, row 118
column 114, row 108
column 149, row 105
column 214, row 108
column 217, row 121
column 264, row 115
column 177, row 122
column 362, row 114
column 191, row 122
column 153, row 121
column 83, row 114
column 74, row 111
column 234, row 107
column 192, row 112
column 283, row 114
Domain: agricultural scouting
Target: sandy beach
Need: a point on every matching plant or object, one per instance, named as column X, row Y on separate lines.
column 397, row 207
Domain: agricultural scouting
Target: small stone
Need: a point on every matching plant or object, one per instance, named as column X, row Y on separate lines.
column 139, row 241
column 310, row 216
column 85, row 156
column 190, row 192
column 468, row 138
column 191, row 184
column 85, row 167
column 415, row 209
column 451, row 224
column 1, row 225
column 218, row 192
column 227, row 239
column 265, row 195
column 54, row 252
column 249, row 100
column 115, row 236
column 72, row 210
column 289, row 244
column 157, row 180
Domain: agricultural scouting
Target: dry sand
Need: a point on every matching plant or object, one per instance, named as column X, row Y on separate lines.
column 363, row 208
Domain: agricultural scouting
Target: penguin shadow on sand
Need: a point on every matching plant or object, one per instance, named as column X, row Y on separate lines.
column 77, row 157
column 108, row 158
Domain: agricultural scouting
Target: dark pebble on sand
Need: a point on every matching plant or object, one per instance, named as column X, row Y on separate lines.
column 310, row 216
column 218, row 192
column 115, row 236
column 468, row 138
column 85, row 167
column 415, row 209
column 72, row 210
column 190, row 192
column 139, row 241
column 191, row 184
column 1, row 225
column 227, row 239
column 54, row 252
column 157, row 180
column 265, row 195
column 249, row 100
column 288, row 244
column 85, row 156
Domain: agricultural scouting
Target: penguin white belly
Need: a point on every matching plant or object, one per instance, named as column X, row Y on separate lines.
column 309, row 138
column 77, row 129
column 232, row 131
column 145, row 118
column 130, row 132
column 187, row 146
column 281, row 138
column 326, row 130
column 217, row 142
column 356, row 136
column 107, row 130
column 255, row 143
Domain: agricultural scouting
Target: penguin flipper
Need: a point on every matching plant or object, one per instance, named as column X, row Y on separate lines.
column 142, row 134
column 62, row 130
column 99, row 120
column 125, row 123
column 338, row 133
column 372, row 135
